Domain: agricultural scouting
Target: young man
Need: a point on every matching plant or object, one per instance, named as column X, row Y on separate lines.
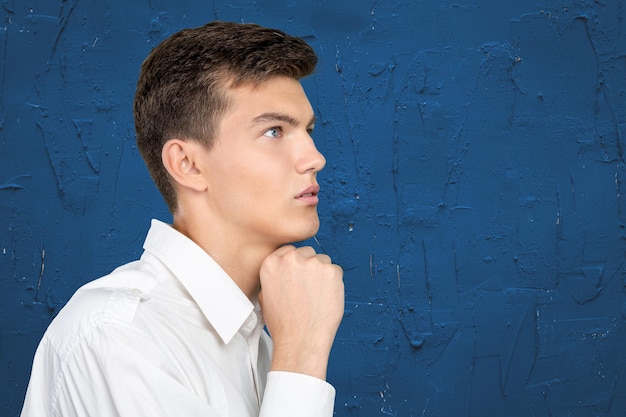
column 224, row 127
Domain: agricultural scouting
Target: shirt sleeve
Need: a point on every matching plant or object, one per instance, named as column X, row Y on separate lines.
column 100, row 375
column 289, row 394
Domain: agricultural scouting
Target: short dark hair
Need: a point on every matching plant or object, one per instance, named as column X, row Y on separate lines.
column 183, row 84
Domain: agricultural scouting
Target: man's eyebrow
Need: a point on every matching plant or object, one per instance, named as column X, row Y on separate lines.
column 280, row 117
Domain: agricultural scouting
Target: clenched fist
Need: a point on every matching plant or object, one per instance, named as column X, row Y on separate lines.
column 302, row 298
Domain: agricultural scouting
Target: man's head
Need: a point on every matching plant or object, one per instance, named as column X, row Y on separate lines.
column 184, row 83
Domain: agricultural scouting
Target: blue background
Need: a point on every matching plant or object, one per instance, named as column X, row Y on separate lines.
column 473, row 193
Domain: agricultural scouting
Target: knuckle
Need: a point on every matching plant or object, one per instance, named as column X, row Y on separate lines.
column 324, row 258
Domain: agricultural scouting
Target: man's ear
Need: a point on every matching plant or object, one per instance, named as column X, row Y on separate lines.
column 180, row 159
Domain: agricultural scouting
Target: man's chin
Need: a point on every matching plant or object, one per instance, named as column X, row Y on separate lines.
column 305, row 234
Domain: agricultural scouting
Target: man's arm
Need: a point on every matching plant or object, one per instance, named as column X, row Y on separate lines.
column 105, row 374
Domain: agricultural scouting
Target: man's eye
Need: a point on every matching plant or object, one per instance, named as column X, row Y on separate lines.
column 274, row 132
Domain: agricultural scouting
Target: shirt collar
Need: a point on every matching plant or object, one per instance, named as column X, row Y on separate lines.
column 221, row 301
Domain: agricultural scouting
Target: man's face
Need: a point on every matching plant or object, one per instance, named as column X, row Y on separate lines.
column 262, row 167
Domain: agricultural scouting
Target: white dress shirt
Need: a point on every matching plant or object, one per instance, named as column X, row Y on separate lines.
column 168, row 335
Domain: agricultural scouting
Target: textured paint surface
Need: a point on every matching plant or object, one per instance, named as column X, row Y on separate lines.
column 473, row 192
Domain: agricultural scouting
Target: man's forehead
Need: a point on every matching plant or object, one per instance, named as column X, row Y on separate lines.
column 279, row 99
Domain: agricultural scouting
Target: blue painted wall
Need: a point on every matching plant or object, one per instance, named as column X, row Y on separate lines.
column 474, row 192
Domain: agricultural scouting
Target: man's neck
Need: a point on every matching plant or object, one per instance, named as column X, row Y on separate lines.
column 240, row 258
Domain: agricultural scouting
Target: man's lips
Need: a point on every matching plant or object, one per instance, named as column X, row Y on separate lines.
column 313, row 190
column 309, row 195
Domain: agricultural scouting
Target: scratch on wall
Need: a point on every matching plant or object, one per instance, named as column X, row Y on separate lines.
column 64, row 15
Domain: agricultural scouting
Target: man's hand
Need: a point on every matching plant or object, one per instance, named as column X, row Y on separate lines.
column 302, row 298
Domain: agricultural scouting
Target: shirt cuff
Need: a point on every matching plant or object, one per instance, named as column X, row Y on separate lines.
column 291, row 394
